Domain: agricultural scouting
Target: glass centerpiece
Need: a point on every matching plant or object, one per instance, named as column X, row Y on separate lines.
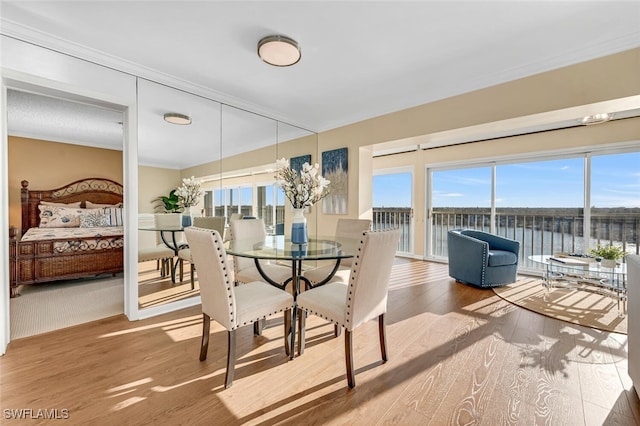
column 303, row 190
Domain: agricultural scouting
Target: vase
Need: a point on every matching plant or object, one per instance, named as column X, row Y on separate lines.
column 186, row 217
column 608, row 263
column 299, row 227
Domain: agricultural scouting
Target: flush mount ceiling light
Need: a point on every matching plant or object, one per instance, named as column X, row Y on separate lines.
column 596, row 118
column 175, row 118
column 279, row 51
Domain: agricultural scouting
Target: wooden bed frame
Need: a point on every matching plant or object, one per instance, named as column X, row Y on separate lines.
column 33, row 262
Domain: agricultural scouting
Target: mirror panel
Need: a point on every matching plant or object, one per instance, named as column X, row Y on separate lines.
column 230, row 150
column 248, row 151
column 165, row 150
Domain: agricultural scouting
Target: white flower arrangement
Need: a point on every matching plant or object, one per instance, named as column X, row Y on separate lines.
column 189, row 192
column 304, row 189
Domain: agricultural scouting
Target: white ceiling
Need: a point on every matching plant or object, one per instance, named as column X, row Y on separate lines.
column 359, row 59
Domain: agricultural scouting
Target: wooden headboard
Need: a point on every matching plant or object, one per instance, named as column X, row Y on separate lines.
column 96, row 190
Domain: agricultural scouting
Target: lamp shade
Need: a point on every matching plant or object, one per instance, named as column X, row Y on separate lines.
column 175, row 118
column 279, row 51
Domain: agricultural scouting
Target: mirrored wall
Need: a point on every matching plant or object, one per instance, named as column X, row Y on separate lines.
column 232, row 152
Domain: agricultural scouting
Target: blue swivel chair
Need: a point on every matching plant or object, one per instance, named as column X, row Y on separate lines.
column 482, row 259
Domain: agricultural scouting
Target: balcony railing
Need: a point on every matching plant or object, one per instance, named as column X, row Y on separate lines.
column 396, row 217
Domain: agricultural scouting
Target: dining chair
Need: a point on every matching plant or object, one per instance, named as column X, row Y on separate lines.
column 231, row 306
column 184, row 255
column 252, row 231
column 162, row 254
column 362, row 299
column 347, row 230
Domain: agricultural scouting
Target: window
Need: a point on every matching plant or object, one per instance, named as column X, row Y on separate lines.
column 545, row 204
column 392, row 206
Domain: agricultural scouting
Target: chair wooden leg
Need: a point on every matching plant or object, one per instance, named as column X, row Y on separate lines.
column 181, row 269
column 348, row 355
column 231, row 358
column 337, row 330
column 258, row 326
column 292, row 351
column 193, row 281
column 301, row 328
column 206, row 323
column 287, row 331
column 383, row 337
column 157, row 264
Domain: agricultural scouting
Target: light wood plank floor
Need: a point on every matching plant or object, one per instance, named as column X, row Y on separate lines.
column 458, row 355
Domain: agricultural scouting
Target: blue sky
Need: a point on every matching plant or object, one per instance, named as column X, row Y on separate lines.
column 615, row 182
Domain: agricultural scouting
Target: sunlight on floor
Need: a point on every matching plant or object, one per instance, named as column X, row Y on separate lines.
column 167, row 325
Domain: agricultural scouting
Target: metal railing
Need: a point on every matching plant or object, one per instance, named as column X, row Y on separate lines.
column 396, row 217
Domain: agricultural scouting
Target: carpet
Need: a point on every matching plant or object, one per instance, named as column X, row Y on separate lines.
column 574, row 306
column 51, row 306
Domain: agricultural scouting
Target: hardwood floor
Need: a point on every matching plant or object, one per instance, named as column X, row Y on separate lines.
column 457, row 355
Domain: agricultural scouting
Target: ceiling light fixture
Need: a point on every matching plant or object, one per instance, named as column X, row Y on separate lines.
column 175, row 118
column 596, row 118
column 279, row 51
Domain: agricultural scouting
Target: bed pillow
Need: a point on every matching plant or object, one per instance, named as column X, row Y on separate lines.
column 91, row 205
column 59, row 217
column 93, row 218
column 69, row 205
column 115, row 215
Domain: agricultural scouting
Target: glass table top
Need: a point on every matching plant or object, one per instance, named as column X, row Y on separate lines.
column 277, row 247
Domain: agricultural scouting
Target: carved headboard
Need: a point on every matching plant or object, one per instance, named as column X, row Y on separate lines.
column 95, row 190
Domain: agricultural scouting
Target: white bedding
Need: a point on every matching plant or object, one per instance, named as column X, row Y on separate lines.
column 78, row 239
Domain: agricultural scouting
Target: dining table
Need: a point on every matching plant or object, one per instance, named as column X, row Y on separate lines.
column 168, row 236
column 280, row 249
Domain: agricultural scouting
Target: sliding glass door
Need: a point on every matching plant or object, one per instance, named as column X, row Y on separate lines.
column 460, row 198
column 540, row 204
column 564, row 204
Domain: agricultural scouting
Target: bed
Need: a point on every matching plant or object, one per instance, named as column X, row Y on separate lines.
column 74, row 231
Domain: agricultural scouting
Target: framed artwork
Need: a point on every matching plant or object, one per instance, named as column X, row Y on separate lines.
column 296, row 162
column 335, row 169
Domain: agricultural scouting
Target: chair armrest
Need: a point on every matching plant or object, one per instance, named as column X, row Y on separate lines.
column 468, row 257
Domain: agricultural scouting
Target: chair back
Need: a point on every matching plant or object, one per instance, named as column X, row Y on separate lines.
column 369, row 279
column 169, row 220
column 351, row 229
column 235, row 216
column 216, row 288
column 249, row 231
column 210, row 222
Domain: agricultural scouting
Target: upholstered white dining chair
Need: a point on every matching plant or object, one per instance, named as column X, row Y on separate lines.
column 362, row 299
column 251, row 231
column 184, row 255
column 346, row 231
column 162, row 254
column 229, row 305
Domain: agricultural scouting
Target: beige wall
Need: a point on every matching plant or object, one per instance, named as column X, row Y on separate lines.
column 48, row 165
column 154, row 182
